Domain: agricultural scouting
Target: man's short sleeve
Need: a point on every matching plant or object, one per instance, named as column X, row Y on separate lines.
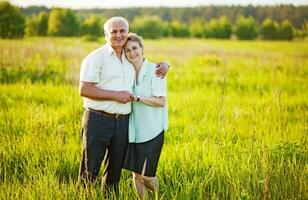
column 90, row 70
column 159, row 86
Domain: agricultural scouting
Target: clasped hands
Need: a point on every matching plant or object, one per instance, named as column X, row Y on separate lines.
column 125, row 97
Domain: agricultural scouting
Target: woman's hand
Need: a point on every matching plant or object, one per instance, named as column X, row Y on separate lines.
column 133, row 98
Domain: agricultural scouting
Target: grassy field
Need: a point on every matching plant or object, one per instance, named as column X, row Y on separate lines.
column 237, row 113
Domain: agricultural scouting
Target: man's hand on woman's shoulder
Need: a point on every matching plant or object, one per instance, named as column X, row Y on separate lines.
column 162, row 69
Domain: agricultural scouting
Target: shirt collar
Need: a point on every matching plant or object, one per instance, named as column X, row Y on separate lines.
column 143, row 70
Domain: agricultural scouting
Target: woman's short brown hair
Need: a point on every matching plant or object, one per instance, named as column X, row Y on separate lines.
column 135, row 38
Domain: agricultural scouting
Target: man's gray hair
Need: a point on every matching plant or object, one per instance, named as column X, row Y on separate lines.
column 114, row 19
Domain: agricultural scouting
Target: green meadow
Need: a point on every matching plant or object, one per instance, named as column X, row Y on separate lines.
column 237, row 119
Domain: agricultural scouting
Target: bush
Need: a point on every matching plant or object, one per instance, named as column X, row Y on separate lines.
column 197, row 28
column 149, row 27
column 37, row 24
column 92, row 26
column 245, row 28
column 179, row 29
column 31, row 26
column 91, row 38
column 286, row 31
column 218, row 28
column 63, row 23
column 269, row 29
column 305, row 29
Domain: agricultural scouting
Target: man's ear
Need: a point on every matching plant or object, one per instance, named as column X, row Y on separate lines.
column 105, row 35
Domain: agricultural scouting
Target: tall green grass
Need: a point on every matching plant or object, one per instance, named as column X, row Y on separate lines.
column 237, row 112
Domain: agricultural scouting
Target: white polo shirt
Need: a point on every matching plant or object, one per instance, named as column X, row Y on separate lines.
column 103, row 68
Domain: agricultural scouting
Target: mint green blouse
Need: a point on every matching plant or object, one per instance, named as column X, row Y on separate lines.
column 146, row 122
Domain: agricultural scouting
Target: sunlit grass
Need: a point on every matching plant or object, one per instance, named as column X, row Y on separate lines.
column 237, row 112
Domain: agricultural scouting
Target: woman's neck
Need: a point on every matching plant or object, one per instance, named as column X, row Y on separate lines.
column 138, row 65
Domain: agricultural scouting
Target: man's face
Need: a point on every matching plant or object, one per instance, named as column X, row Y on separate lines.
column 117, row 34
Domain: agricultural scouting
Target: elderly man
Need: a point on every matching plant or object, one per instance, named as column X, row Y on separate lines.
column 106, row 81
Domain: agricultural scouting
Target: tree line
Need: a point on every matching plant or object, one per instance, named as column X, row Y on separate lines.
column 166, row 22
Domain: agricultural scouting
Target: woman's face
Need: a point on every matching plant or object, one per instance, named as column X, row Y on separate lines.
column 133, row 52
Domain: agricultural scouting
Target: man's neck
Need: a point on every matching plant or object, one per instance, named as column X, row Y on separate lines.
column 118, row 52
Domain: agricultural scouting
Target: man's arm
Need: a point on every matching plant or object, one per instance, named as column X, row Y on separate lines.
column 162, row 69
column 89, row 90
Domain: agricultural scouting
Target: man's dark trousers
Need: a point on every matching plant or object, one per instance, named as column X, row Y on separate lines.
column 104, row 138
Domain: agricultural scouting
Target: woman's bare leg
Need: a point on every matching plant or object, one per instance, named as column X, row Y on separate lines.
column 151, row 183
column 140, row 187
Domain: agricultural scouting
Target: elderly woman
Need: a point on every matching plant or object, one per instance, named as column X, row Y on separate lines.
column 148, row 119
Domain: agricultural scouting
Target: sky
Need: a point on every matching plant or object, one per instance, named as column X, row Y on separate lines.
column 84, row 4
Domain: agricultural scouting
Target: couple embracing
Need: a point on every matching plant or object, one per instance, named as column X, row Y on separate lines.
column 125, row 111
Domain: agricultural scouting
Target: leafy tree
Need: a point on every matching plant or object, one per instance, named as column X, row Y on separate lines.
column 197, row 28
column 71, row 23
column 211, row 28
column 42, row 23
column 37, row 24
column 55, row 22
column 167, row 29
column 225, row 28
column 92, row 26
column 31, row 26
column 149, row 27
column 245, row 28
column 297, row 15
column 63, row 23
column 12, row 22
column 286, row 31
column 269, row 29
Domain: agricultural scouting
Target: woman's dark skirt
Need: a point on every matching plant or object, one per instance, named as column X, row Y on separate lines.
column 138, row 153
